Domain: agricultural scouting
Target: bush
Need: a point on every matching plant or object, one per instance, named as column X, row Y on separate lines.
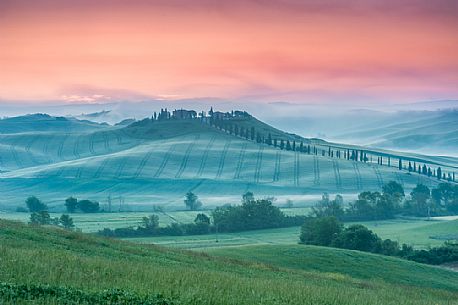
column 66, row 295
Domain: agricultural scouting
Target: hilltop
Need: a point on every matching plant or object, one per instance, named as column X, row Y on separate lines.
column 156, row 161
column 38, row 256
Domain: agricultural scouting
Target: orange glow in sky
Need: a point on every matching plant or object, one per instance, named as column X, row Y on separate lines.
column 290, row 50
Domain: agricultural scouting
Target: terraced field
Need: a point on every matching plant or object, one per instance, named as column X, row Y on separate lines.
column 159, row 164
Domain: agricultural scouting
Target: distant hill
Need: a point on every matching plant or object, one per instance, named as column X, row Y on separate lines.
column 42, row 257
column 44, row 123
column 157, row 162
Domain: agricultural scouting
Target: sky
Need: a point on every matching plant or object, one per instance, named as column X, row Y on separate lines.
column 317, row 51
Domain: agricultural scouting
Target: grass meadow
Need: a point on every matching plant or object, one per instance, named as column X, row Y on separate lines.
column 50, row 256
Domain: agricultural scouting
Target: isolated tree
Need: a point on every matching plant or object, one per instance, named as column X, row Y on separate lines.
column 66, row 221
column 439, row 173
column 88, row 206
column 394, row 192
column 35, row 205
column 151, row 222
column 71, row 204
column 420, row 200
column 192, row 201
column 42, row 218
column 247, row 197
column 202, row 218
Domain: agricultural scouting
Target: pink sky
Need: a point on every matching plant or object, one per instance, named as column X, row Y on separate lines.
column 290, row 50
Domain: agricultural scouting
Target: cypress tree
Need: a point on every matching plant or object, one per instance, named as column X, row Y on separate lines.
column 439, row 173
column 288, row 145
column 400, row 164
column 282, row 144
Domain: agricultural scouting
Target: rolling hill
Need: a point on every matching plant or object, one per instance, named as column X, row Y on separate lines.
column 157, row 162
column 41, row 259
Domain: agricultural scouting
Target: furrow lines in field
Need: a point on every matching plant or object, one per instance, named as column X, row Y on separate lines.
column 79, row 172
column 16, row 158
column 316, row 171
column 91, row 143
column 335, row 166
column 359, row 183
column 118, row 138
column 142, row 164
column 257, row 171
column 106, row 141
column 223, row 159
column 205, row 156
column 240, row 161
column 187, row 154
column 46, row 149
column 76, row 147
column 99, row 171
column 29, row 144
column 296, row 168
column 61, row 147
column 379, row 176
column 121, row 165
column 277, row 166
column 165, row 160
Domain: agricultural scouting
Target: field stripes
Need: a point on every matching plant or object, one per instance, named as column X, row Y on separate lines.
column 76, row 147
column 106, row 141
column 102, row 166
column 142, row 164
column 122, row 164
column 296, row 168
column 14, row 153
column 79, row 172
column 257, row 171
column 91, row 143
column 378, row 175
column 223, row 159
column 359, row 182
column 46, row 149
column 29, row 144
column 277, row 166
column 240, row 161
column 164, row 162
column 316, row 170
column 205, row 156
column 60, row 149
column 335, row 166
column 187, row 154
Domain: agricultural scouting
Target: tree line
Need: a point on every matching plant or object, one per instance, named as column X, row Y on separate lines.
column 392, row 201
column 328, row 231
column 252, row 214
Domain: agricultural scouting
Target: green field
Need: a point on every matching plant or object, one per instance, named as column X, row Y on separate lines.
column 156, row 164
column 301, row 275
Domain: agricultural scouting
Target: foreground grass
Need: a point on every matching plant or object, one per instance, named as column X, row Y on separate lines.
column 37, row 256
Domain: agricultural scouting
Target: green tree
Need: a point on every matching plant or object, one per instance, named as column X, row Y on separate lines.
column 394, row 192
column 35, row 205
column 421, row 195
column 320, row 231
column 88, row 206
column 71, row 204
column 151, row 222
column 42, row 218
column 326, row 207
column 358, row 237
column 192, row 201
column 202, row 218
column 66, row 221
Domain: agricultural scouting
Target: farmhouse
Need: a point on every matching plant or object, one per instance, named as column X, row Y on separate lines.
column 183, row 114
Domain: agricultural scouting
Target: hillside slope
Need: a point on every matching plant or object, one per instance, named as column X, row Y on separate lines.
column 37, row 256
column 158, row 162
